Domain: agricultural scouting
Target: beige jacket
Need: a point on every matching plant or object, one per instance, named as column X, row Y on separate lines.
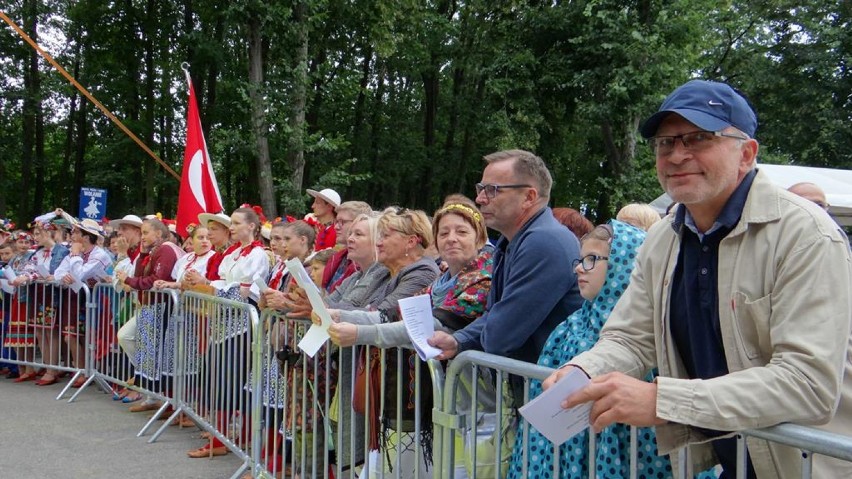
column 785, row 278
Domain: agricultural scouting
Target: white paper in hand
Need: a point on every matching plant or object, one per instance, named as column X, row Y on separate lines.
column 546, row 414
column 261, row 285
column 417, row 316
column 317, row 335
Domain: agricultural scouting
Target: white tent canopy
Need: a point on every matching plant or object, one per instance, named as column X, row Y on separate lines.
column 837, row 185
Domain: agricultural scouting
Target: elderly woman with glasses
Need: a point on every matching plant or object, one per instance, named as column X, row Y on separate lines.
column 458, row 295
column 403, row 237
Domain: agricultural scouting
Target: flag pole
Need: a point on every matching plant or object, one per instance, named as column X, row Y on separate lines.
column 86, row 93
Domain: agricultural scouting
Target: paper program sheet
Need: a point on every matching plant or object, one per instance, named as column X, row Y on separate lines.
column 547, row 415
column 317, row 335
column 417, row 316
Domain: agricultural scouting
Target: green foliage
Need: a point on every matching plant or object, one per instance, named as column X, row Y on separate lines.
column 403, row 98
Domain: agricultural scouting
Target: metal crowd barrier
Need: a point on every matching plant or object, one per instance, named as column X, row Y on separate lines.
column 243, row 380
column 304, row 408
column 132, row 343
column 213, row 357
column 45, row 324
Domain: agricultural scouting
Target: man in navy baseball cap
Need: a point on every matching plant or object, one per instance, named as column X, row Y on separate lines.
column 742, row 303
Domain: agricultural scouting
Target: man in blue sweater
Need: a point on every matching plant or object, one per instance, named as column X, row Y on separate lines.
column 533, row 287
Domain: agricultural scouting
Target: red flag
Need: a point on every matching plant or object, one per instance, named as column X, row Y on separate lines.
column 199, row 192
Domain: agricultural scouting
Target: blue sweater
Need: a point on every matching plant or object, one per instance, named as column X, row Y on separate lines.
column 533, row 289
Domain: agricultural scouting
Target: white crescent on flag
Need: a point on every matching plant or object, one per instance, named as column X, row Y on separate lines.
column 196, row 176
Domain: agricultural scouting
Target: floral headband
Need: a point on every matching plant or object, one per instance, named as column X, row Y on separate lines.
column 257, row 209
column 22, row 235
column 6, row 225
column 190, row 228
column 464, row 208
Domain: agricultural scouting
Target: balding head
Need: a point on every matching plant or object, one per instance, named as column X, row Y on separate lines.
column 810, row 191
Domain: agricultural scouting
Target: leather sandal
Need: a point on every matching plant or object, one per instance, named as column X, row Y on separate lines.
column 143, row 406
column 46, row 381
column 25, row 377
column 208, row 451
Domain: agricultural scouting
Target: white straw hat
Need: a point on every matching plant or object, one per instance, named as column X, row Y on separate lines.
column 90, row 226
column 328, row 195
column 205, row 218
column 131, row 220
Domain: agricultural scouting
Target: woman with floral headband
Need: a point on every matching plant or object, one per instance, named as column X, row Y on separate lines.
column 43, row 263
column 20, row 335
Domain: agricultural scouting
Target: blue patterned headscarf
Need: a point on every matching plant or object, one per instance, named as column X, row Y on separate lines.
column 578, row 333
column 581, row 330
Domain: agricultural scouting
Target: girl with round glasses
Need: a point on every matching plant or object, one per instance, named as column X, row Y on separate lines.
column 603, row 273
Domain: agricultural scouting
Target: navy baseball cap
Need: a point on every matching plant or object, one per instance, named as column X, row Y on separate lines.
column 709, row 105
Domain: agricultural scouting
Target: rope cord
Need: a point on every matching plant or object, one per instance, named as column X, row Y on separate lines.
column 86, row 93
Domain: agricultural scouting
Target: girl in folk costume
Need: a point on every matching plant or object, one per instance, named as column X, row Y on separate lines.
column 20, row 336
column 156, row 262
column 196, row 261
column 86, row 263
column 229, row 349
column 218, row 232
column 7, row 252
column 41, row 315
column 288, row 241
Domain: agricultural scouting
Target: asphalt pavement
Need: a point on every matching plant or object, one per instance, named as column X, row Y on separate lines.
column 92, row 438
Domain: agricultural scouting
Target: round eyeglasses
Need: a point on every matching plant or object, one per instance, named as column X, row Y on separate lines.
column 588, row 262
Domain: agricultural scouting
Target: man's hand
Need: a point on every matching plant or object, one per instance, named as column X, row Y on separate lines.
column 556, row 376
column 67, row 280
column 343, row 334
column 618, row 398
column 446, row 343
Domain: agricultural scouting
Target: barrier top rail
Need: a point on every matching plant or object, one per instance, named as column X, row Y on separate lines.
column 806, row 438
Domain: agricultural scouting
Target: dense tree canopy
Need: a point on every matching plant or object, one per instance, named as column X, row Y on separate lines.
column 396, row 101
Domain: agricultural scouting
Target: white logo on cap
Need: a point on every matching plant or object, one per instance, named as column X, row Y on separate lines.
column 714, row 103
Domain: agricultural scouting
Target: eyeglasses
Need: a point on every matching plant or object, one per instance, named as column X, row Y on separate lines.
column 588, row 261
column 693, row 141
column 491, row 189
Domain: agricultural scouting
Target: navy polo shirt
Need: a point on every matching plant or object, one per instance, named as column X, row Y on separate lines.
column 694, row 308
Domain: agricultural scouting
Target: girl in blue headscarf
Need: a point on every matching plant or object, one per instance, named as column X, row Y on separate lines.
column 603, row 272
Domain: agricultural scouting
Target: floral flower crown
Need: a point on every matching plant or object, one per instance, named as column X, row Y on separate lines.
column 190, row 228
column 460, row 207
column 6, row 225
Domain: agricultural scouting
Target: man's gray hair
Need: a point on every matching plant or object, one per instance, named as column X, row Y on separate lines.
column 354, row 207
column 527, row 167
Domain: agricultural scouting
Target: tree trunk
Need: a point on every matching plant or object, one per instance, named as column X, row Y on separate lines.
column 258, row 116
column 64, row 190
column 30, row 112
column 151, row 166
column 296, row 149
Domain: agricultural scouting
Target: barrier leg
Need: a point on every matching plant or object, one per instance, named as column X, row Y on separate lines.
column 177, row 412
column 154, row 418
column 68, row 386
